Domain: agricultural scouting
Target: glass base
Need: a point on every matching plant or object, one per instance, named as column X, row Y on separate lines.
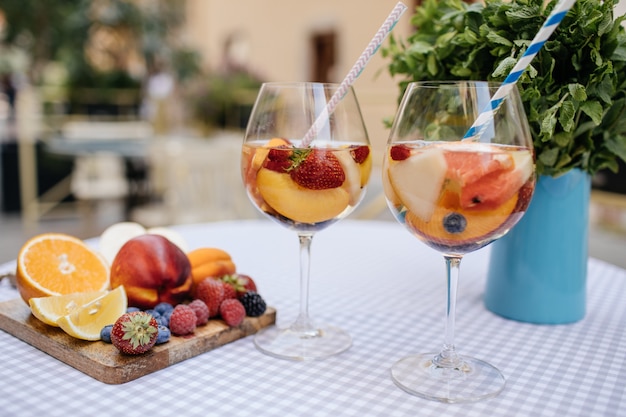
column 472, row 380
column 320, row 343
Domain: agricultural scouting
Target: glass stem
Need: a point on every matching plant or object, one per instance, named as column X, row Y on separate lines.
column 304, row 325
column 448, row 358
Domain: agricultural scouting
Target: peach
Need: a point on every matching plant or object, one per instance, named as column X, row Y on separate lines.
column 152, row 269
column 297, row 203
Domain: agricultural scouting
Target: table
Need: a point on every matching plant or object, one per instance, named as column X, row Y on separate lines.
column 386, row 288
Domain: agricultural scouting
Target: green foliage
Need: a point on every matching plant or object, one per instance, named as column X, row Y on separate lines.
column 574, row 92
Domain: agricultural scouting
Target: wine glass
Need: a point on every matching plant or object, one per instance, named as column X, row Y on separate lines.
column 306, row 161
column 456, row 194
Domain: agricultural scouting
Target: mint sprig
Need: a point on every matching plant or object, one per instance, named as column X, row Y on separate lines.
column 574, row 91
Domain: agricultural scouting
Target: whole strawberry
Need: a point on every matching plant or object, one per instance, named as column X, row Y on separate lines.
column 211, row 291
column 232, row 312
column 317, row 169
column 240, row 283
column 183, row 320
column 134, row 333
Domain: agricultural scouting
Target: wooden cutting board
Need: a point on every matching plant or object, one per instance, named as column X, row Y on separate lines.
column 103, row 362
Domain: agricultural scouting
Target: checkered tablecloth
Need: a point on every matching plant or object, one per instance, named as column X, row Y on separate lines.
column 377, row 281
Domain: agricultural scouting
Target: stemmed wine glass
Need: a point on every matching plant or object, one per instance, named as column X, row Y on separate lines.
column 457, row 193
column 305, row 165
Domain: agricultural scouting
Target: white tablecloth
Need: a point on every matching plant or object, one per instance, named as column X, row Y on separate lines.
column 377, row 281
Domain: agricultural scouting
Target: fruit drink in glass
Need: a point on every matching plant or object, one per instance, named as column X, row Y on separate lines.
column 305, row 183
column 456, row 194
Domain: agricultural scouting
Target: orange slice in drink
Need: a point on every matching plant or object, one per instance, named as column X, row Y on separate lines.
column 56, row 264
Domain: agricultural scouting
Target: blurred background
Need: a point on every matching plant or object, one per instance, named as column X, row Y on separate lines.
column 133, row 110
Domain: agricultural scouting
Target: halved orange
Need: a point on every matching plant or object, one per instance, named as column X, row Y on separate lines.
column 56, row 264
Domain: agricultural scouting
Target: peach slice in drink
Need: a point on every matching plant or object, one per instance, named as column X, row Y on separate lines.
column 297, row 203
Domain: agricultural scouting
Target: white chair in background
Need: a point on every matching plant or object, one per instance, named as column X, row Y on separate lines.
column 199, row 180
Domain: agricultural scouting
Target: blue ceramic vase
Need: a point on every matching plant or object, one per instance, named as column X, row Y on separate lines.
column 538, row 271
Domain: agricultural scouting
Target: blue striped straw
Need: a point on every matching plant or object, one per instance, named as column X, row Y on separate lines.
column 557, row 15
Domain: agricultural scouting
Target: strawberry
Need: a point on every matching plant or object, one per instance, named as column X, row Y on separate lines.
column 183, row 320
column 240, row 283
column 278, row 159
column 360, row 153
column 134, row 333
column 316, row 169
column 230, row 291
column 211, row 291
column 232, row 312
column 400, row 152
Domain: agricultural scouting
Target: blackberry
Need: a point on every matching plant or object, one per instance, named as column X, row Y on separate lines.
column 253, row 303
column 454, row 223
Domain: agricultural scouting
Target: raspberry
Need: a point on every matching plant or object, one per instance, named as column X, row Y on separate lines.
column 183, row 320
column 211, row 291
column 201, row 310
column 253, row 303
column 232, row 311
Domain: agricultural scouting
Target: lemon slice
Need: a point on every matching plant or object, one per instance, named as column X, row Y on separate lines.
column 87, row 322
column 50, row 309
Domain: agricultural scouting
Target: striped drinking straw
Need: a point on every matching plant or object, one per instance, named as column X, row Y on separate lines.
column 355, row 71
column 557, row 15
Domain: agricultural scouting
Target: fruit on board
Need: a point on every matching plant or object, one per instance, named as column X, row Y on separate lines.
column 49, row 309
column 201, row 310
column 57, row 264
column 451, row 224
column 232, row 312
column 183, row 320
column 253, row 303
column 210, row 262
column 298, row 203
column 134, row 333
column 87, row 321
column 240, row 283
column 114, row 237
column 211, row 291
column 417, row 180
column 153, row 270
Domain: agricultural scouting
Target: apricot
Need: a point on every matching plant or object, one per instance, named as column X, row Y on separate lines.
column 210, row 262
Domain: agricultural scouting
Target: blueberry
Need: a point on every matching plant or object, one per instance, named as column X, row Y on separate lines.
column 454, row 223
column 163, row 335
column 165, row 318
column 163, row 307
column 131, row 309
column 153, row 313
column 105, row 333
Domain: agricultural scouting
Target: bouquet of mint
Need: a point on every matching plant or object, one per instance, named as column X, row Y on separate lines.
column 574, row 91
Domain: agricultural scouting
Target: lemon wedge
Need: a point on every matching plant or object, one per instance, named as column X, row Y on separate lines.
column 86, row 322
column 50, row 309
